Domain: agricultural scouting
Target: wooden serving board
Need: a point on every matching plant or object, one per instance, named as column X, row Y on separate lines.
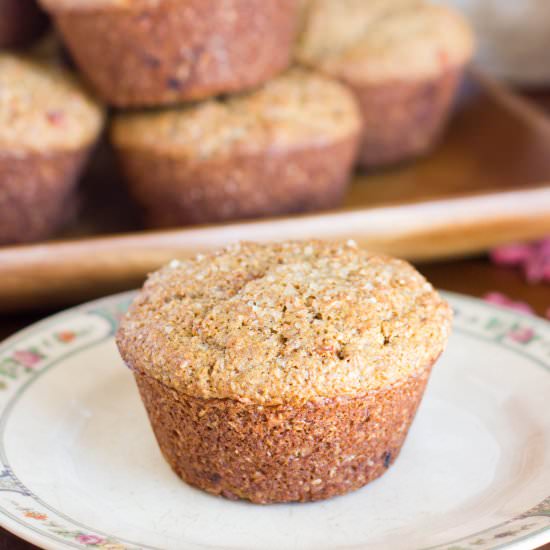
column 487, row 183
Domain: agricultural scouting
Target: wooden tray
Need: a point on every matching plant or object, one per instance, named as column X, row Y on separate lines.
column 488, row 182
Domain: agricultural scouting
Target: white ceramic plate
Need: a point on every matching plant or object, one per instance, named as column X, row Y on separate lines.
column 80, row 467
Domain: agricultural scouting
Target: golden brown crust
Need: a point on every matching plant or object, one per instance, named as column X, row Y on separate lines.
column 296, row 110
column 282, row 453
column 173, row 51
column 375, row 41
column 284, row 323
column 21, row 22
column 175, row 192
column 43, row 108
column 404, row 119
column 35, row 192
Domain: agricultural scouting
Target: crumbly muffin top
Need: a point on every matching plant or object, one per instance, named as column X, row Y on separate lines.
column 284, row 323
column 376, row 40
column 42, row 107
column 73, row 5
column 296, row 109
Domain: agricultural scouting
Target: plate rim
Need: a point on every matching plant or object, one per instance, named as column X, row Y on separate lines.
column 27, row 532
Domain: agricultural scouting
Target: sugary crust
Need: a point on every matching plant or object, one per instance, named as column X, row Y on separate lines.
column 171, row 51
column 21, row 22
column 296, row 110
column 87, row 5
column 282, row 453
column 404, row 119
column 368, row 42
column 35, row 193
column 284, row 323
column 175, row 192
column 44, row 109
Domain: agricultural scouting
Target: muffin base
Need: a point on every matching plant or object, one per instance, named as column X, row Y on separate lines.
column 269, row 454
column 176, row 192
column 21, row 22
column 403, row 120
column 36, row 192
column 146, row 56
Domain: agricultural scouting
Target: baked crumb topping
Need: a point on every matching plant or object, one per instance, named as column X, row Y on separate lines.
column 368, row 41
column 43, row 107
column 74, row 5
column 296, row 109
column 284, row 323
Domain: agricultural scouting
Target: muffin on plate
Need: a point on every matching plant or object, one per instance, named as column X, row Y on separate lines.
column 283, row 372
column 286, row 147
column 48, row 124
column 21, row 22
column 404, row 60
column 153, row 52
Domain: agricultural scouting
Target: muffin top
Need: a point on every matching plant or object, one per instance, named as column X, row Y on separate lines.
column 72, row 5
column 294, row 110
column 284, row 323
column 378, row 40
column 43, row 108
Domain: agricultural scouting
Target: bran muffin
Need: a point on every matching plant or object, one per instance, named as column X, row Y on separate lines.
column 21, row 22
column 286, row 147
column 403, row 58
column 156, row 52
column 283, row 372
column 48, row 125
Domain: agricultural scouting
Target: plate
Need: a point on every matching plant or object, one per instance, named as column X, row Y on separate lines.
column 80, row 467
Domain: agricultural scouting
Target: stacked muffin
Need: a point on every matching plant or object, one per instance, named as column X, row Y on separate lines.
column 402, row 58
column 286, row 147
column 155, row 52
column 48, row 125
column 213, row 123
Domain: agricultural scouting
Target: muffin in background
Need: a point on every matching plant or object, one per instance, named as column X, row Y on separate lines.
column 286, row 147
column 21, row 22
column 156, row 52
column 403, row 59
column 48, row 125
column 283, row 372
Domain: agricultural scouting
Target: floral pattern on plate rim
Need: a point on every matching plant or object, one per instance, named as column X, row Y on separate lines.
column 26, row 356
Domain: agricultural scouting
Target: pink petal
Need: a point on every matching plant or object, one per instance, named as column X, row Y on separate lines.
column 535, row 268
column 500, row 299
column 522, row 335
column 522, row 307
column 544, row 247
column 496, row 298
column 548, row 313
column 512, row 255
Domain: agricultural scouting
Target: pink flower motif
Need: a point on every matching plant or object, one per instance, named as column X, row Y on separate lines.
column 66, row 336
column 522, row 335
column 90, row 540
column 27, row 358
column 500, row 299
column 35, row 515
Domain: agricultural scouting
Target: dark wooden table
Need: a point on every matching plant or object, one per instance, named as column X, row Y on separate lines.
column 474, row 277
